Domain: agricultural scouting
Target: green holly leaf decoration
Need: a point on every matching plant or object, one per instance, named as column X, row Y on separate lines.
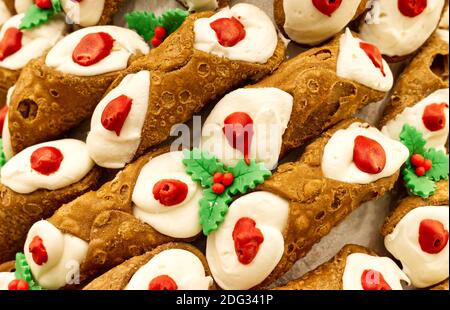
column 35, row 17
column 420, row 186
column 23, row 272
column 247, row 176
column 201, row 166
column 171, row 20
column 56, row 5
column 213, row 209
column 413, row 140
column 2, row 155
column 144, row 23
column 439, row 170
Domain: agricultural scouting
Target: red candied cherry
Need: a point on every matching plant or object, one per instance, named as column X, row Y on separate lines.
column 427, row 164
column 156, row 42
column 434, row 116
column 10, row 43
column 229, row 31
column 160, row 32
column 327, row 7
column 92, row 48
column 43, row 4
column 162, row 283
column 433, row 237
column 46, row 160
column 218, row 177
column 38, row 251
column 170, row 192
column 218, row 188
column 368, row 155
column 115, row 113
column 417, row 160
column 18, row 285
column 411, row 8
column 247, row 239
column 374, row 54
column 420, row 171
column 372, row 280
column 3, row 113
column 228, row 179
column 238, row 129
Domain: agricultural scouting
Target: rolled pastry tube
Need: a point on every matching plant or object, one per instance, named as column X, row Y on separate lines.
column 300, row 204
column 400, row 28
column 312, row 22
column 181, row 266
column 204, row 5
column 33, row 187
column 61, row 88
column 407, row 234
column 353, row 268
column 176, row 80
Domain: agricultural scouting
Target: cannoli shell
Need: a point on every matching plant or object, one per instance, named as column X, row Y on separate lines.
column 118, row 277
column 443, row 286
column 47, row 103
column 329, row 275
column 111, row 7
column 7, row 79
column 426, row 73
column 280, row 17
column 317, row 204
column 184, row 80
column 10, row 5
column 104, row 219
column 321, row 98
column 18, row 212
column 8, row 266
column 439, row 198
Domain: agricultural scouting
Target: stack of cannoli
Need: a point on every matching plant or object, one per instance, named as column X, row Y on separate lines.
column 120, row 209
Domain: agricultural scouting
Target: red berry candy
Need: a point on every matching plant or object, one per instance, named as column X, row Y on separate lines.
column 239, row 132
column 46, row 160
column 434, row 116
column 170, row 192
column 156, row 41
column 43, row 4
column 228, row 179
column 162, row 283
column 372, row 280
column 18, row 285
column 327, row 7
column 368, row 155
column 3, row 113
column 247, row 239
column 417, row 160
column 412, row 8
column 229, row 31
column 420, row 171
column 218, row 177
column 92, row 48
column 160, row 32
column 37, row 249
column 433, row 237
column 427, row 164
column 374, row 54
column 115, row 113
column 10, row 43
column 218, row 188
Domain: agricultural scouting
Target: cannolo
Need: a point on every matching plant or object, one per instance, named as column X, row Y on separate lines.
column 173, row 266
column 353, row 268
column 204, row 5
column 187, row 71
column 60, row 89
column 36, row 182
column 312, row 22
column 441, row 287
column 416, row 233
column 265, row 232
column 19, row 46
column 399, row 28
column 304, row 97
